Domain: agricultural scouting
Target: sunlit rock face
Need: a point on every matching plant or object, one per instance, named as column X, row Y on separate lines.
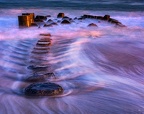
column 43, row 89
column 60, row 15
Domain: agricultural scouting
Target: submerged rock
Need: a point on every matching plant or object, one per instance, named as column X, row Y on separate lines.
column 40, row 78
column 92, row 25
column 43, row 89
column 45, row 34
column 65, row 22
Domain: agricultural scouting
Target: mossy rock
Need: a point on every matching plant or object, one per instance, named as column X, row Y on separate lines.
column 43, row 89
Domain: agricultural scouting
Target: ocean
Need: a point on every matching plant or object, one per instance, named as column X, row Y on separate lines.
column 101, row 69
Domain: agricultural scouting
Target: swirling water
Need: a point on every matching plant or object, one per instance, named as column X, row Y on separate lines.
column 101, row 69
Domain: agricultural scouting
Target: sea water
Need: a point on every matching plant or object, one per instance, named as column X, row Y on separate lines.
column 101, row 69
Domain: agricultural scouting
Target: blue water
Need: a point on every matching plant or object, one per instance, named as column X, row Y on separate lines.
column 116, row 5
column 101, row 69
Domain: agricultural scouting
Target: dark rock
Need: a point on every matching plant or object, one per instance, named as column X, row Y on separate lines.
column 85, row 16
column 32, row 67
column 113, row 21
column 99, row 17
column 54, row 23
column 120, row 25
column 43, row 44
column 58, row 21
column 75, row 18
column 41, row 17
column 60, row 15
column 50, row 20
column 47, row 34
column 35, row 79
column 95, row 17
column 41, row 48
column 40, row 51
column 91, row 16
column 45, row 40
column 40, row 78
column 80, row 18
column 65, row 22
column 92, row 25
column 106, row 17
column 65, row 17
column 43, row 89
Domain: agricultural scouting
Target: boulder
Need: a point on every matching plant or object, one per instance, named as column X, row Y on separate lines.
column 43, row 89
column 92, row 25
column 41, row 17
column 65, row 22
column 60, row 15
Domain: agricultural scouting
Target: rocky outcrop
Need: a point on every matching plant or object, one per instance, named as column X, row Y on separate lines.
column 106, row 17
column 92, row 25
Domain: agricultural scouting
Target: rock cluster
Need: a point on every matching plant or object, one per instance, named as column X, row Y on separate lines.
column 40, row 86
column 63, row 19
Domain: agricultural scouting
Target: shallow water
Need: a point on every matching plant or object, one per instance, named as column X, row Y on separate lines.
column 101, row 69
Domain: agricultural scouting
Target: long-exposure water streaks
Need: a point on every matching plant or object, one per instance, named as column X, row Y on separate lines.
column 100, row 68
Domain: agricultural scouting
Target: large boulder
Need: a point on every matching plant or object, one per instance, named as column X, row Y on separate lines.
column 43, row 89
